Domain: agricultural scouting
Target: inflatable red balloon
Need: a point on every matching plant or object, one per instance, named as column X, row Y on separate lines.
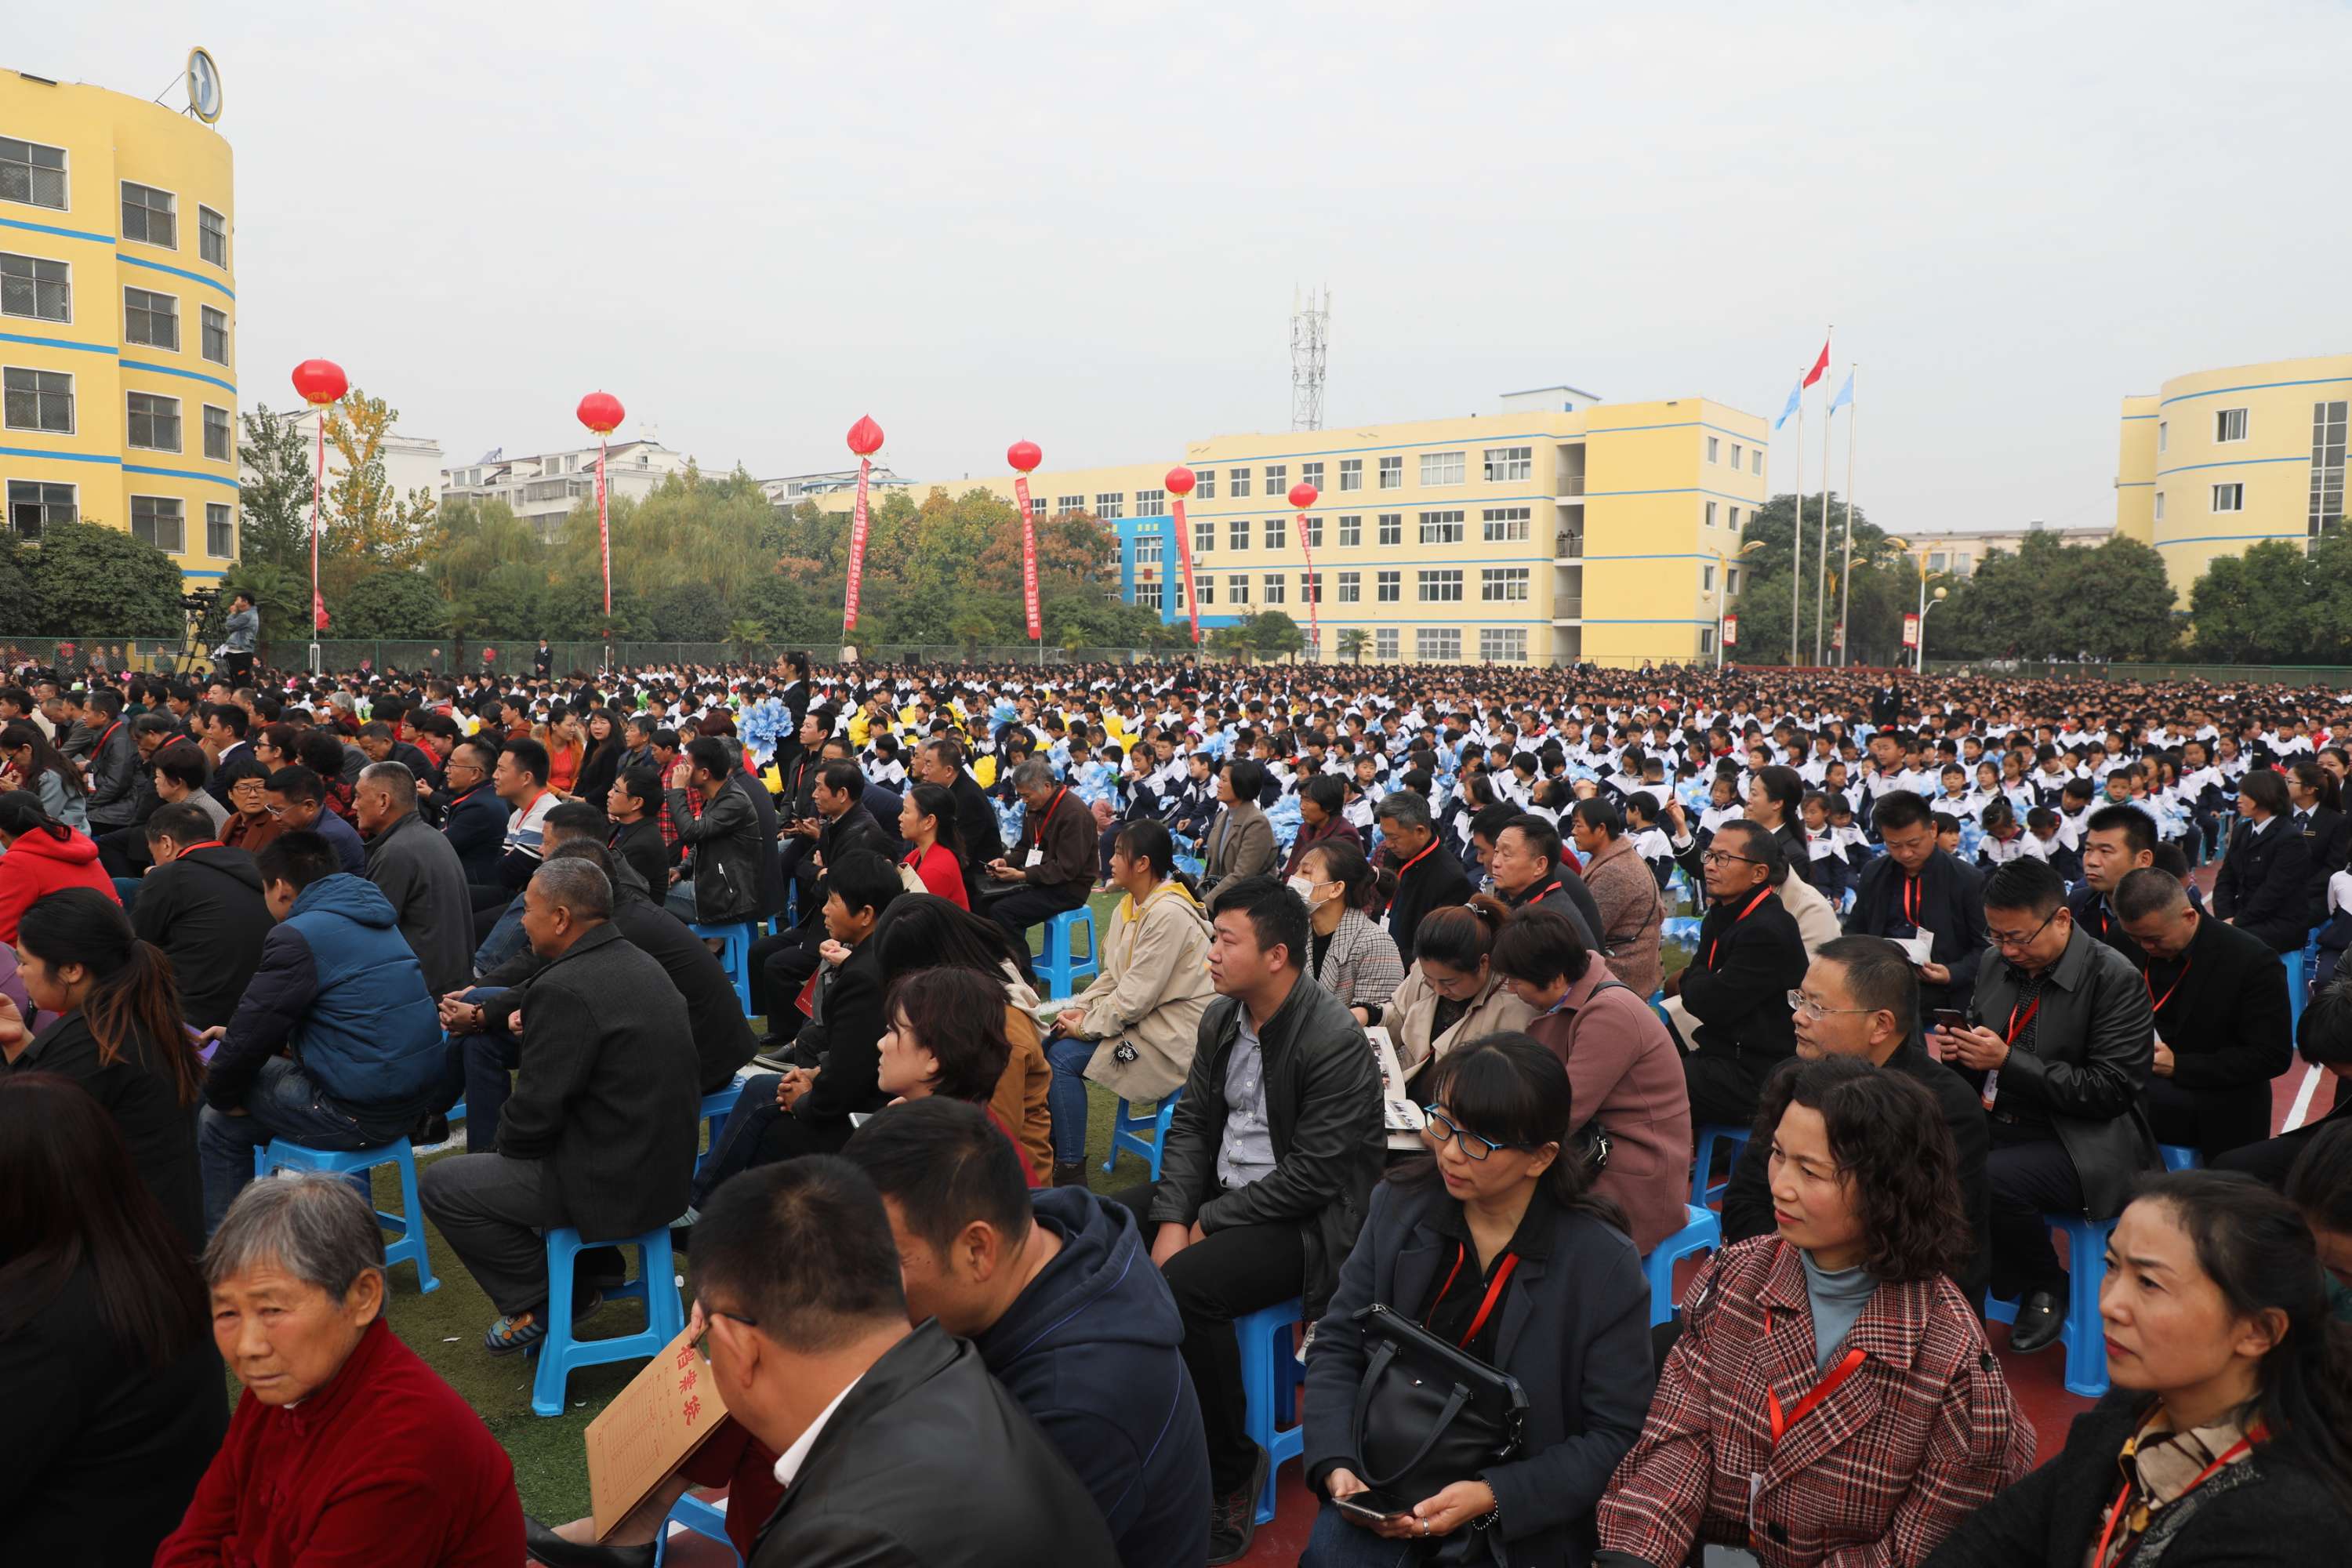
column 1179, row 482
column 1302, row 495
column 600, row 411
column 866, row 437
column 1023, row 456
column 320, row 381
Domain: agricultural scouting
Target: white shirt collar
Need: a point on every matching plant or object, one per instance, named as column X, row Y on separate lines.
column 789, row 1465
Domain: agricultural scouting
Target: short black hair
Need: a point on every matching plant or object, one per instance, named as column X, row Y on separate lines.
column 1878, row 975
column 2137, row 828
column 803, row 1247
column 1601, row 814
column 712, row 755
column 643, row 785
column 2320, row 1182
column 863, row 880
column 1248, row 779
column 1542, row 837
column 186, row 766
column 1276, row 915
column 2027, row 885
column 1899, row 808
column 181, row 821
column 300, row 857
column 296, row 782
column 234, row 718
column 2147, row 891
column 946, row 1166
column 529, row 755
column 1761, row 844
column 957, row 1016
column 1540, row 947
column 843, row 778
column 576, row 816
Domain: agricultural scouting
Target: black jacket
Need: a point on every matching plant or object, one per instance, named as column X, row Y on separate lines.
column 1748, row 1201
column 475, row 824
column 852, row 831
column 927, row 1462
column 114, row 774
column 1564, row 893
column 1949, row 903
column 2327, row 836
column 1323, row 1109
column 607, row 1097
column 1436, row 881
column 976, row 825
column 845, row 1033
column 770, row 861
column 724, row 845
column 2265, row 884
column 2094, row 914
column 1737, row 983
column 1575, row 1332
column 640, row 845
column 137, row 1092
column 205, row 910
column 2263, row 1508
column 2226, row 1019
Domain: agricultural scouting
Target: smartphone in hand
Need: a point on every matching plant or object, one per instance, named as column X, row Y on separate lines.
column 1361, row 1512
column 1950, row 1018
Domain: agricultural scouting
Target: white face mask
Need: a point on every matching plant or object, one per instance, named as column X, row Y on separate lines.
column 1305, row 888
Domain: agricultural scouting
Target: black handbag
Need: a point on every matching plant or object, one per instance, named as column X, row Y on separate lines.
column 1429, row 1414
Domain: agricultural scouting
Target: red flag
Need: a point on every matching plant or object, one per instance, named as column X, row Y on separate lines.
column 1820, row 365
column 857, row 550
column 1028, row 556
column 1184, row 554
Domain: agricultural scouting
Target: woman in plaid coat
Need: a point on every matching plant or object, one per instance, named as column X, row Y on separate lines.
column 1830, row 1403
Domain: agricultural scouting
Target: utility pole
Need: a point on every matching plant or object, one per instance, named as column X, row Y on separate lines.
column 1310, row 328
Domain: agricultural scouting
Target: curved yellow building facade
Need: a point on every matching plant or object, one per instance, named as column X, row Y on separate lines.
column 118, row 319
column 2221, row 459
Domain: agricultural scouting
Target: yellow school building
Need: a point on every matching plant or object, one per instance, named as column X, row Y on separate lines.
column 1560, row 527
column 118, row 319
column 2221, row 459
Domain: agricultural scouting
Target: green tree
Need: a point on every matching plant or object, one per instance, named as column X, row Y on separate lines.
column 688, row 611
column 2250, row 608
column 2049, row 599
column 1232, row 642
column 282, row 597
column 274, row 470
column 369, row 523
column 20, row 611
column 1354, row 643
column 90, row 580
column 391, row 603
column 1274, row 634
column 1880, row 575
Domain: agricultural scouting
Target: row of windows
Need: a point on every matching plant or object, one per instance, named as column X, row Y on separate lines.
column 1440, row 585
column 1733, row 520
column 2229, row 424
column 43, row 400
column 35, row 175
column 1496, row 525
column 1500, row 465
column 1755, row 454
column 35, row 505
column 42, row 290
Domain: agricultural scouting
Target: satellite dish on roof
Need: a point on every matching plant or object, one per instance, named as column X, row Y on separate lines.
column 203, row 86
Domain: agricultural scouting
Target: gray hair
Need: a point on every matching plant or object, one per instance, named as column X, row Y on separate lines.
column 577, row 886
column 1404, row 807
column 315, row 1227
column 395, row 779
column 1034, row 774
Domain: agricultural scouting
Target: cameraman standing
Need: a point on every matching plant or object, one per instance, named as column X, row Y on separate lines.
column 244, row 631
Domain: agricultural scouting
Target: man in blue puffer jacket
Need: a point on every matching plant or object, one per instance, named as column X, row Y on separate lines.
column 336, row 1043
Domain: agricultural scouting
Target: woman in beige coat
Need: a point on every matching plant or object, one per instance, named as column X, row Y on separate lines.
column 1133, row 1029
column 1451, row 995
column 1627, row 893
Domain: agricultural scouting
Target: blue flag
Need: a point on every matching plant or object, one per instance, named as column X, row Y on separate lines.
column 1795, row 393
column 1845, row 393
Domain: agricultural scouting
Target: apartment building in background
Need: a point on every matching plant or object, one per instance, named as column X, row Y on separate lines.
column 544, row 488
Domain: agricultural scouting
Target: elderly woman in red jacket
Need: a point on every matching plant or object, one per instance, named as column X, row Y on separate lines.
column 345, row 1448
column 1830, row 1403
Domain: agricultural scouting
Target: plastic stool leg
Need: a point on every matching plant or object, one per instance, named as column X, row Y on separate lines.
column 548, row 1384
column 411, row 1244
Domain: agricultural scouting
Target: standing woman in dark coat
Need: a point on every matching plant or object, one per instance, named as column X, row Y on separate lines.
column 1505, row 1206
column 2264, row 884
column 118, row 1034
column 2318, row 804
column 115, row 1402
column 606, row 745
column 2228, row 1436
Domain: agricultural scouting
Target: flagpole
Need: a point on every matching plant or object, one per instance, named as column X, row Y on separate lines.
column 1797, row 539
column 1853, row 413
column 1821, row 566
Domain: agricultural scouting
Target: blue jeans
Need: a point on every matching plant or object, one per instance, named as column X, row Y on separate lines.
column 1066, row 1097
column 283, row 1103
column 1338, row 1542
column 475, row 1069
column 506, row 940
column 679, row 900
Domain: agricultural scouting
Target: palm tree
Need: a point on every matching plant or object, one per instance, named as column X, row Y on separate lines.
column 1354, row 643
column 746, row 634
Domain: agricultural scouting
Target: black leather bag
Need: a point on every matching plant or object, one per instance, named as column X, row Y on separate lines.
column 1429, row 1414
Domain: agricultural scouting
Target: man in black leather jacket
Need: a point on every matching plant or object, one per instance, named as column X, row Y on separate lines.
column 722, row 880
column 1268, row 1169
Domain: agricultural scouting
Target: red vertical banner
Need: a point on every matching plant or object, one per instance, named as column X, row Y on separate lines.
column 602, row 413
column 1302, row 495
column 1024, row 456
column 604, row 528
column 318, row 484
column 321, row 383
column 1180, row 485
column 865, row 440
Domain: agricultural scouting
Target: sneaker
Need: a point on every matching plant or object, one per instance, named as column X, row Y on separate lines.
column 523, row 1331
column 1233, row 1519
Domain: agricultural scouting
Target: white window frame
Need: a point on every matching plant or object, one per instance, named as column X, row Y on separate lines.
column 1351, row 530
column 2223, row 423
column 1439, row 468
column 1756, row 460
column 1272, row 589
column 1738, row 452
column 181, row 548
column 1392, row 473
column 1503, row 584
column 1111, row 504
column 1450, row 527
column 179, row 426
column 1503, row 645
column 1204, row 536
column 1237, row 484
column 1067, row 506
column 1151, row 503
column 1714, row 449
column 1437, row 644
column 1351, row 474
column 1312, row 474
column 1237, row 534
column 8, row 515
column 1710, row 514
column 1506, row 525
column 1237, row 587
column 1277, row 532
column 1388, row 643
column 64, row 174
column 73, row 409
column 1391, row 528
column 1205, row 484
column 1148, row 594
column 2230, row 497
column 2163, row 436
column 1437, row 586
column 1506, row 465
column 150, row 312
column 228, row 522
column 1388, row 588
column 1277, row 481
column 1207, row 585
column 203, row 212
column 38, row 262
column 1706, row 577
column 122, row 202
column 205, row 317
column 2159, row 506
column 1352, row 588
column 228, row 421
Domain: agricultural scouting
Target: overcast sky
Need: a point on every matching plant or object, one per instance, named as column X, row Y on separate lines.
column 1083, row 224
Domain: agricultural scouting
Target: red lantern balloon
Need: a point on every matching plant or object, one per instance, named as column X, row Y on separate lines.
column 866, row 437
column 320, row 381
column 1302, row 495
column 600, row 411
column 1023, row 456
column 1179, row 482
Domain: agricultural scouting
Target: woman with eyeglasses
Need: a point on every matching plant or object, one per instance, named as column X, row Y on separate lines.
column 1451, row 991
column 1496, row 1244
column 1831, row 1399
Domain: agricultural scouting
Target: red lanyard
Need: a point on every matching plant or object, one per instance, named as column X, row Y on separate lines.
column 2016, row 1024
column 2155, row 1003
column 2099, row 1558
column 1829, row 1384
column 1761, row 894
column 1911, row 901
column 1418, row 858
column 1048, row 814
column 1494, row 1291
column 203, row 844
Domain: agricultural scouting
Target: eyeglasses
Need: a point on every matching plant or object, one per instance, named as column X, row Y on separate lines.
column 1442, row 1127
column 2010, row 943
column 1804, row 1006
column 711, row 1315
column 1723, row 857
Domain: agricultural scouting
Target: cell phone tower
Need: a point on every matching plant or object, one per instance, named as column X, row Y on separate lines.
column 1310, row 331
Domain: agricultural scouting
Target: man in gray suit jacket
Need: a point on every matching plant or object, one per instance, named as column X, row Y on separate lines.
column 1241, row 841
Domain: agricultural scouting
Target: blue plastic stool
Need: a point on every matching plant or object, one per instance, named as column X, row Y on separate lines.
column 734, row 955
column 2295, row 988
column 2086, row 1337
column 1703, row 1146
column 560, row 1355
column 716, row 1107
column 1126, row 1131
column 704, row 1519
column 407, row 1245
column 1061, row 971
column 1270, row 1379
column 1704, row 1233
column 2180, row 1157
column 1658, row 1006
